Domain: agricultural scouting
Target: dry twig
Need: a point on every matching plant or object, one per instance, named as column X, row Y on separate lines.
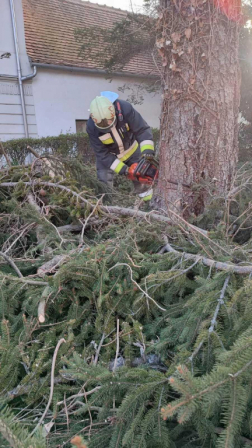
column 117, row 345
column 52, row 385
column 2, row 150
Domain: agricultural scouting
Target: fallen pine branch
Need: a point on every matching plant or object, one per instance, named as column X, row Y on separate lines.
column 48, row 184
column 243, row 270
column 245, row 440
column 51, row 265
column 12, row 264
column 108, row 209
column 88, row 298
column 220, row 302
column 145, row 215
column 70, row 228
column 24, row 280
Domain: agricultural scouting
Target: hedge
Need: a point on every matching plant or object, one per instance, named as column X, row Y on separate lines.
column 67, row 145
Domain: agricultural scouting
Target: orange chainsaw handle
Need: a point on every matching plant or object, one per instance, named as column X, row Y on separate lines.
column 130, row 173
column 133, row 175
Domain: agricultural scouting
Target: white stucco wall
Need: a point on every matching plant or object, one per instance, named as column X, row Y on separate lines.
column 8, row 66
column 54, row 99
column 11, row 119
column 61, row 97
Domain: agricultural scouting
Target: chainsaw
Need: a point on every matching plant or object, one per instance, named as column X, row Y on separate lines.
column 145, row 171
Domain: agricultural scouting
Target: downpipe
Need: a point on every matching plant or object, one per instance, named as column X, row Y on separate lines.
column 32, row 75
column 20, row 78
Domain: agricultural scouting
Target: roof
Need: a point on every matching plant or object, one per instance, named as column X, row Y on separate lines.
column 49, row 33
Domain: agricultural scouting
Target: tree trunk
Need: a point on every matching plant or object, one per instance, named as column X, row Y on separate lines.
column 198, row 44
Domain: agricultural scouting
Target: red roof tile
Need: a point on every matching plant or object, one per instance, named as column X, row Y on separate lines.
column 50, row 27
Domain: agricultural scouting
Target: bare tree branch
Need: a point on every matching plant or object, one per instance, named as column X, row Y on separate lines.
column 52, row 385
column 11, row 263
column 242, row 270
column 2, row 150
column 220, row 302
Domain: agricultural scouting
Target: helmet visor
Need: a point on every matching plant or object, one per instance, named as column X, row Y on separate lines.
column 105, row 125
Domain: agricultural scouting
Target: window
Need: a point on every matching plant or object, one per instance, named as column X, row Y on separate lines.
column 81, row 125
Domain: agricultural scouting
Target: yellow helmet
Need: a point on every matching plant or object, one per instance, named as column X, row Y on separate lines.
column 102, row 112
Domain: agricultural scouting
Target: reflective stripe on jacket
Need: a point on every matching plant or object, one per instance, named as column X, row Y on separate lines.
column 117, row 146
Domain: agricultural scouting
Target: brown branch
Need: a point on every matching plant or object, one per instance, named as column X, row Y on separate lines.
column 169, row 410
column 52, row 385
column 35, row 153
column 242, row 370
column 25, row 229
column 2, row 150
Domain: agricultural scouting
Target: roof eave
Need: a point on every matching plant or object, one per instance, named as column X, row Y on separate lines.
column 94, row 71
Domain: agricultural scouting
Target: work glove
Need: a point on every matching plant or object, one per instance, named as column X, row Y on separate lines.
column 150, row 157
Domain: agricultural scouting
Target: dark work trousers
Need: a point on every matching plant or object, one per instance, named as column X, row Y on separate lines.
column 106, row 175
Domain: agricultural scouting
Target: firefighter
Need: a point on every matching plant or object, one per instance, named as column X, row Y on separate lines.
column 119, row 137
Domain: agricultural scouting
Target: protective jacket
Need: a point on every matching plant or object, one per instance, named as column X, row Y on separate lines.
column 123, row 139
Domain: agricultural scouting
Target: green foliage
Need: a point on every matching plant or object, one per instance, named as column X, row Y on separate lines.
column 116, row 46
column 15, row 434
column 158, row 349
column 65, row 145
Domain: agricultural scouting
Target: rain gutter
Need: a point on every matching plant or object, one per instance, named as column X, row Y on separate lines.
column 92, row 71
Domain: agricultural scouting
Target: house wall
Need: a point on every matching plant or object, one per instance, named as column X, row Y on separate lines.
column 61, row 97
column 54, row 99
column 8, row 66
column 11, row 119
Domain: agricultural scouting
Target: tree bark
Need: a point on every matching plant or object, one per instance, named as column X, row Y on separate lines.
column 198, row 45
